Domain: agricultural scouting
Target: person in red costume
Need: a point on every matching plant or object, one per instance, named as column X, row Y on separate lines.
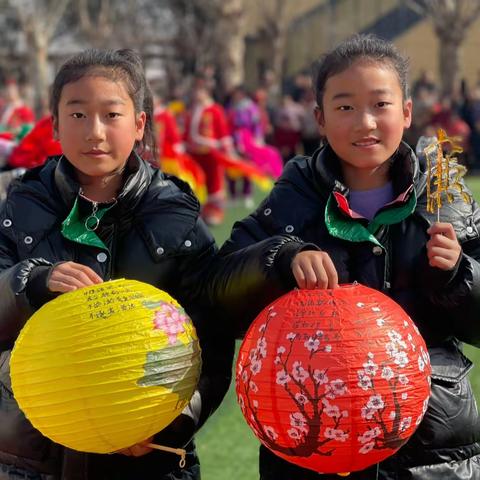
column 169, row 140
column 448, row 119
column 14, row 113
column 172, row 158
column 36, row 146
column 208, row 139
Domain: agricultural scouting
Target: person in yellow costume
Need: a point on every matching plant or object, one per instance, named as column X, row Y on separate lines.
column 95, row 213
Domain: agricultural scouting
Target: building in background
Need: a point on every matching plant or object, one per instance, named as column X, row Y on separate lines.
column 313, row 27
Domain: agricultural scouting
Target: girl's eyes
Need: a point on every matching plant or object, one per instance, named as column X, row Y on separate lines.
column 346, row 108
column 109, row 115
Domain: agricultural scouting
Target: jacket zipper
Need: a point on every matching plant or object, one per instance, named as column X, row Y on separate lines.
column 387, row 262
column 110, row 270
column 384, row 238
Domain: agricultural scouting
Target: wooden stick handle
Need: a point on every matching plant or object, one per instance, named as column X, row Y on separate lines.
column 178, row 451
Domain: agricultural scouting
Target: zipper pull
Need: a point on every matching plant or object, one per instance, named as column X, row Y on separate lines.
column 92, row 221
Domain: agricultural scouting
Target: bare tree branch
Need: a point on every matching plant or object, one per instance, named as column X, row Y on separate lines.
column 96, row 20
column 56, row 9
column 39, row 21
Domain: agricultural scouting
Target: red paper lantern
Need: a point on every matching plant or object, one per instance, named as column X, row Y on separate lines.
column 333, row 380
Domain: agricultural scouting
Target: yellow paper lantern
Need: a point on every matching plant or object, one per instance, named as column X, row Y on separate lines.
column 104, row 367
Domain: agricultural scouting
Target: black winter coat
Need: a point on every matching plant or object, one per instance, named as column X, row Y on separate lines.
column 444, row 305
column 154, row 234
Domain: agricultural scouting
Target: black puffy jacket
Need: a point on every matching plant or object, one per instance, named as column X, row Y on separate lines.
column 444, row 305
column 154, row 234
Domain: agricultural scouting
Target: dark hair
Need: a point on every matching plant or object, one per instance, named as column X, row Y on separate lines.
column 125, row 65
column 359, row 47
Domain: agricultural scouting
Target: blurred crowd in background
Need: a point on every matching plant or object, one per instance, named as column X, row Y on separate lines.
column 220, row 146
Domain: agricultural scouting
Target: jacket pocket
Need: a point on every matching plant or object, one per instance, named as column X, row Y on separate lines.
column 17, row 435
column 451, row 419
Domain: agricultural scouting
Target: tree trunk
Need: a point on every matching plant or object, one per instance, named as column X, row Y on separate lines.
column 232, row 49
column 451, row 20
column 449, row 62
column 277, row 31
column 38, row 59
column 39, row 21
column 279, row 43
column 43, row 98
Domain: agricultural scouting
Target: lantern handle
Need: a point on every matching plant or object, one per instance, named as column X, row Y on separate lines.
column 177, row 451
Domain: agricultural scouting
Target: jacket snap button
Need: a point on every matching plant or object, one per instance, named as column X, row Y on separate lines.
column 267, row 211
column 160, row 251
column 102, row 257
column 7, row 222
column 469, row 229
column 188, row 243
column 289, row 229
column 28, row 240
column 377, row 250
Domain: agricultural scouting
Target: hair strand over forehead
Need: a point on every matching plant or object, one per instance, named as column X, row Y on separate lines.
column 356, row 48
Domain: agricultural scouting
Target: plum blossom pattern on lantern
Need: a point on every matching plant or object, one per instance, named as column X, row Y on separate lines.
column 333, row 380
column 378, row 414
column 311, row 391
column 168, row 318
column 161, row 368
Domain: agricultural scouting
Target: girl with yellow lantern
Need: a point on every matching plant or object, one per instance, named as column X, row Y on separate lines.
column 100, row 212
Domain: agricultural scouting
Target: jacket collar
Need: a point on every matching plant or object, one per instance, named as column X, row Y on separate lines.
column 404, row 171
column 137, row 179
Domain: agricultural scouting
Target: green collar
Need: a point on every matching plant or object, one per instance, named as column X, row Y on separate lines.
column 341, row 226
column 74, row 229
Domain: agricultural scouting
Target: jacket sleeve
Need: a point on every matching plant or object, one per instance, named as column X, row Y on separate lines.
column 467, row 284
column 14, row 276
column 459, row 296
column 216, row 340
column 253, row 268
column 457, row 292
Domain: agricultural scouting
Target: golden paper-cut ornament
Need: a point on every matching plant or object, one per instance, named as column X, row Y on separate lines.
column 444, row 173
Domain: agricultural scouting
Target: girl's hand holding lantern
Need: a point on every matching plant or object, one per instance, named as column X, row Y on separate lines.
column 138, row 450
column 314, row 269
column 69, row 276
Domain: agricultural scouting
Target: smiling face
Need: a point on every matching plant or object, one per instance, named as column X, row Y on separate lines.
column 363, row 116
column 97, row 125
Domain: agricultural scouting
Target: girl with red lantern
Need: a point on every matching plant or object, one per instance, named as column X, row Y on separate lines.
column 100, row 212
column 357, row 211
